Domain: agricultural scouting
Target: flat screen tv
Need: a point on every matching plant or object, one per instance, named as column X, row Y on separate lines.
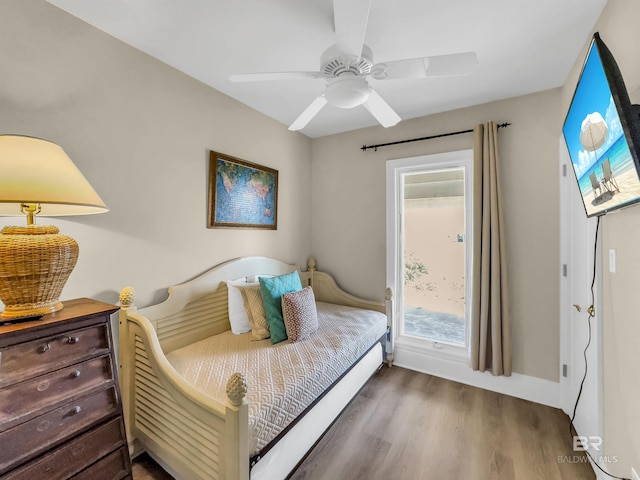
column 602, row 132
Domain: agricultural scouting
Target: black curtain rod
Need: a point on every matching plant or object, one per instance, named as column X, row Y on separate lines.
column 375, row 147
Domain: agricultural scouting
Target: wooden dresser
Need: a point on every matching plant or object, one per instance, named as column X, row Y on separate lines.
column 60, row 405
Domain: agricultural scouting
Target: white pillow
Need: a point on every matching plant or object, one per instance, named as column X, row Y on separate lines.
column 237, row 314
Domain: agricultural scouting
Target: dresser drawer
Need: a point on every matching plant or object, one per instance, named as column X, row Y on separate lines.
column 25, row 360
column 22, row 401
column 74, row 456
column 39, row 434
column 112, row 467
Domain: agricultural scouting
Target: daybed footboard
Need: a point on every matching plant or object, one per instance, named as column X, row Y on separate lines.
column 327, row 290
column 189, row 434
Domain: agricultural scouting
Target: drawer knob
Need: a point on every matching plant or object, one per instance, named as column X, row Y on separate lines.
column 76, row 374
column 73, row 340
column 44, row 348
column 76, row 410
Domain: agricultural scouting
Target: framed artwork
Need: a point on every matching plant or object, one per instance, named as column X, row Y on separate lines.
column 241, row 194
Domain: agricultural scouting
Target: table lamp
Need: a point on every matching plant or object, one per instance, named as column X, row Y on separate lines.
column 37, row 177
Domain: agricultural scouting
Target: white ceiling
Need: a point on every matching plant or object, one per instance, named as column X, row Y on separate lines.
column 523, row 46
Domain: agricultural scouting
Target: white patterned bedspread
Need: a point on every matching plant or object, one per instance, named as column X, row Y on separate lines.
column 282, row 379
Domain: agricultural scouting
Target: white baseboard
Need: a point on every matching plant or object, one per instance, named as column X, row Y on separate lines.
column 517, row 385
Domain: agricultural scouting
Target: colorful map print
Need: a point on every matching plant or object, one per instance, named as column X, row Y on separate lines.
column 244, row 195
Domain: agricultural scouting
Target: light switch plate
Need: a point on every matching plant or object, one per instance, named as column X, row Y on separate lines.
column 612, row 260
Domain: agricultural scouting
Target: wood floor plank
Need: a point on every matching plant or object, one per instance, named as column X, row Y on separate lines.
column 440, row 429
column 405, row 425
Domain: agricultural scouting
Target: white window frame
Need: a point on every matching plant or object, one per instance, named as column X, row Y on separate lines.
column 396, row 171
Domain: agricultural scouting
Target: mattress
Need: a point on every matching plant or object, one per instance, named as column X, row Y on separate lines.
column 282, row 379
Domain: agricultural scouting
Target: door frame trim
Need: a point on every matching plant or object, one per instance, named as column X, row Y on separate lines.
column 395, row 169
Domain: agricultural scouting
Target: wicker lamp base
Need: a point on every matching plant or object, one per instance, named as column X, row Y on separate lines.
column 35, row 263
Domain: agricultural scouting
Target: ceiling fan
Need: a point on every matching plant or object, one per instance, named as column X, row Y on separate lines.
column 347, row 65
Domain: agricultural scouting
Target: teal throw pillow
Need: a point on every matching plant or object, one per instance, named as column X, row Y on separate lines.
column 272, row 289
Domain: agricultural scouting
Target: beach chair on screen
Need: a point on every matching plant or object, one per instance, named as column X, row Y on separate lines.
column 595, row 185
column 609, row 179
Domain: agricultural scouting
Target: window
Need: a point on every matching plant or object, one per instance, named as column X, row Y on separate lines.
column 429, row 252
column 434, row 256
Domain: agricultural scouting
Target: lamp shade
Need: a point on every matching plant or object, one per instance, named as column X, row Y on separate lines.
column 36, row 171
column 37, row 177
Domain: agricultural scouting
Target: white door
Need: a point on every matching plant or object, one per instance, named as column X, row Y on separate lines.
column 577, row 244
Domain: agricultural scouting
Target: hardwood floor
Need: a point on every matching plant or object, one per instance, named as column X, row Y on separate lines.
column 408, row 425
column 144, row 468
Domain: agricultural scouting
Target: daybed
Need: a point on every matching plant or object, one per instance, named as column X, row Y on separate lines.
column 171, row 362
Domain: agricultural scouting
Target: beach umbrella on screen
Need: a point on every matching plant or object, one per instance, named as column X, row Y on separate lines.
column 593, row 132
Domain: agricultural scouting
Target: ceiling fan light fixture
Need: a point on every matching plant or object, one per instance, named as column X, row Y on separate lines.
column 348, row 91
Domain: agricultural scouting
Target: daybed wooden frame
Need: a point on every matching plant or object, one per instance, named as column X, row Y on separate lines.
column 193, row 436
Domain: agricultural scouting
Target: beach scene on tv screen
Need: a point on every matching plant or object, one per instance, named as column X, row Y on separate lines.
column 599, row 151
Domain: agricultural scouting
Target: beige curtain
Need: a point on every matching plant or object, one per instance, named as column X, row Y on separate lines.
column 490, row 324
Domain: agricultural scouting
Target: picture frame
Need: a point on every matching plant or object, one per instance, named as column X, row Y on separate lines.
column 241, row 194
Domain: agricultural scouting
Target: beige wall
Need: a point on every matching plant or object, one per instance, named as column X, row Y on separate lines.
column 348, row 210
column 618, row 27
column 140, row 131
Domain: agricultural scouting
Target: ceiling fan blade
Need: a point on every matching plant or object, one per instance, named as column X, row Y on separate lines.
column 310, row 112
column 350, row 21
column 267, row 76
column 436, row 66
column 381, row 110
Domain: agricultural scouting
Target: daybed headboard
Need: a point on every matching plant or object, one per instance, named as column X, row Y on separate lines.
column 200, row 305
column 199, row 308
